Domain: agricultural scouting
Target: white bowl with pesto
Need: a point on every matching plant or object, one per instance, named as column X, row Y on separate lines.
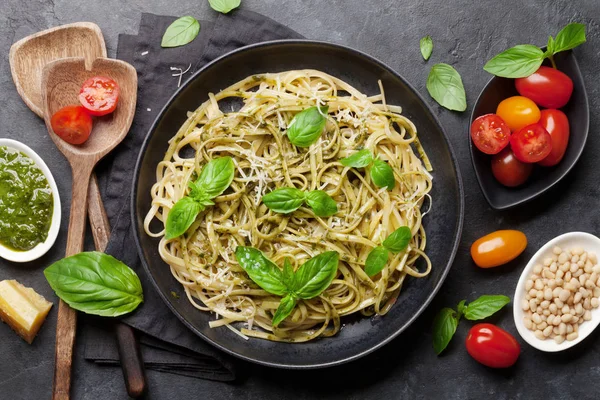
column 41, row 248
column 567, row 241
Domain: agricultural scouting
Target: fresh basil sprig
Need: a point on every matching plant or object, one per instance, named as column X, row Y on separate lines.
column 524, row 59
column 182, row 31
column 95, row 283
column 286, row 200
column 307, row 126
column 396, row 242
column 381, row 173
column 446, row 322
column 309, row 281
column 426, row 45
column 445, row 85
column 215, row 178
column 224, row 6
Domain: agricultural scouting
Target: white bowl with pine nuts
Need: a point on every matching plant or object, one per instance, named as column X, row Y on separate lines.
column 565, row 288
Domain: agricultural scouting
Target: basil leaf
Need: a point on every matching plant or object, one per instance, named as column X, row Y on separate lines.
column 382, row 174
column 359, row 159
column 426, row 44
column 569, row 37
column 224, row 6
column 321, row 203
column 460, row 309
column 264, row 272
column 182, row 31
column 286, row 306
column 315, row 275
column 376, row 260
column 445, row 86
column 287, row 275
column 517, row 62
column 444, row 327
column 398, row 240
column 284, row 200
column 216, row 176
column 307, row 126
column 485, row 306
column 181, row 217
column 550, row 45
column 95, row 283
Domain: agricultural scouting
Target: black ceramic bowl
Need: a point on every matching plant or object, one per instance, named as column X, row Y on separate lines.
column 501, row 197
column 443, row 224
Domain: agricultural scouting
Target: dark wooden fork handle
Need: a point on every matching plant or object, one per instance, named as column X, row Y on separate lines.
column 129, row 349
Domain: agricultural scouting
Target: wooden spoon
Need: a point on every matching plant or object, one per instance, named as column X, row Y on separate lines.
column 61, row 81
column 27, row 58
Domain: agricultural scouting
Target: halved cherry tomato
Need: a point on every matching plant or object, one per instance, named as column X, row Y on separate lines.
column 508, row 170
column 72, row 124
column 490, row 134
column 492, row 346
column 557, row 125
column 518, row 112
column 547, row 87
column 498, row 248
column 99, row 95
column 531, row 144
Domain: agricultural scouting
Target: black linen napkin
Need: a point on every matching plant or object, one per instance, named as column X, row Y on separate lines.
column 166, row 344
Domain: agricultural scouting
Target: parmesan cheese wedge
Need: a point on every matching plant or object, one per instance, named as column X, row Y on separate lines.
column 22, row 309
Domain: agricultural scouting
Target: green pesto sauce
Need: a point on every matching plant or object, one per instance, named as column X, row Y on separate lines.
column 26, row 202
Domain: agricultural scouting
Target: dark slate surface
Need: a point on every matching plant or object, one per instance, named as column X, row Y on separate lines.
column 466, row 33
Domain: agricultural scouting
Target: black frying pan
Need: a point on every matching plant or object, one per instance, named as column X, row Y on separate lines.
column 359, row 336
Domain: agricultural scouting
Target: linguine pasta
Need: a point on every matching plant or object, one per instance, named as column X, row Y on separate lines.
column 254, row 136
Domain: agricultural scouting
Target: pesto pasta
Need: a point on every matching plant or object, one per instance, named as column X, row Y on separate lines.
column 254, row 135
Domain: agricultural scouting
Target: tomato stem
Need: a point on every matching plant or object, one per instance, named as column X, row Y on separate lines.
column 552, row 61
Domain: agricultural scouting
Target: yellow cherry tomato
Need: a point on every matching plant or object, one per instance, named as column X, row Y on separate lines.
column 518, row 112
column 498, row 248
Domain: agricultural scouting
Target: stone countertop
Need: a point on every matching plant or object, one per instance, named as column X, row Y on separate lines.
column 466, row 33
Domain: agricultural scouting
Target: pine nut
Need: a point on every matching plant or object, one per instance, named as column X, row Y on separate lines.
column 564, row 295
column 594, row 302
column 576, row 299
column 572, row 336
column 560, row 274
column 527, row 322
column 562, row 328
column 548, row 294
column 525, row 305
column 592, row 257
column 528, row 284
column 539, row 285
column 562, row 258
column 540, row 335
column 542, row 325
column 575, row 259
column 547, row 331
column 553, row 267
column 587, row 316
column 559, row 339
column 537, row 269
column 565, row 317
column 558, row 302
column 557, row 250
column 553, row 308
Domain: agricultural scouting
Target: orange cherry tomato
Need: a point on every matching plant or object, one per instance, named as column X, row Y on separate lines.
column 518, row 112
column 498, row 248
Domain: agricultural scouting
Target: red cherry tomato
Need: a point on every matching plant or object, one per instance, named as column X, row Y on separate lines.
column 531, row 144
column 492, row 346
column 99, row 95
column 547, row 87
column 557, row 125
column 490, row 134
column 72, row 124
column 508, row 170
